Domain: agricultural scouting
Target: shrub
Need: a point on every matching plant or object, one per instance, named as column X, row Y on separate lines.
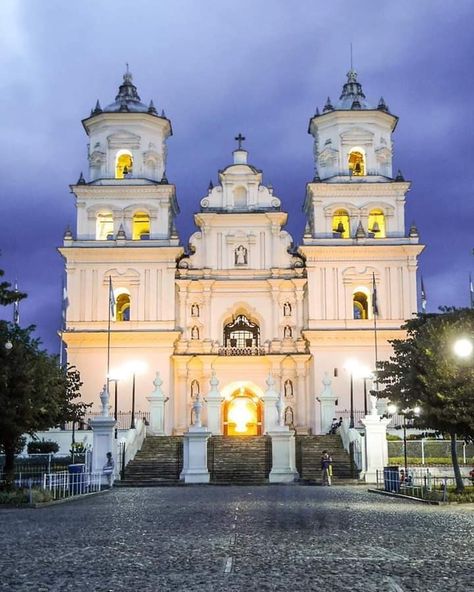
column 42, row 447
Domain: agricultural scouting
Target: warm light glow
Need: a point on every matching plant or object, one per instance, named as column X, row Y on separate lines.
column 352, row 365
column 141, row 226
column 377, row 223
column 365, row 372
column 124, row 165
column 392, row 409
column 117, row 374
column 417, row 410
column 241, row 413
column 341, row 223
column 463, row 347
column 356, row 163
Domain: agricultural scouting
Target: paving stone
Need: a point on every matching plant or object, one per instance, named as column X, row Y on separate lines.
column 238, row 538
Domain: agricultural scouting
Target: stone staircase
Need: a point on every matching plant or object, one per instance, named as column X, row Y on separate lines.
column 308, row 459
column 235, row 460
column 239, row 460
column 159, row 462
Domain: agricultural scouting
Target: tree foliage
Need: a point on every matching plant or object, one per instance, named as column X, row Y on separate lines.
column 35, row 393
column 424, row 371
column 8, row 296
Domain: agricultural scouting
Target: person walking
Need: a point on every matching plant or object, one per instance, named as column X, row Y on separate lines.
column 326, row 468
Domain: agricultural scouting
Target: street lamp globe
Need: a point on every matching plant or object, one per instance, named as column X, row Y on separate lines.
column 392, row 409
column 463, row 347
column 8, row 346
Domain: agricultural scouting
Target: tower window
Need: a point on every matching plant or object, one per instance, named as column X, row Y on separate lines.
column 141, row 226
column 340, row 223
column 377, row 223
column 356, row 163
column 105, row 226
column 122, row 304
column 123, row 164
column 360, row 305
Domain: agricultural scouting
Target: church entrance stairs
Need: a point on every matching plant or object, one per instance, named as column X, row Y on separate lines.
column 308, row 460
column 158, row 463
column 239, row 460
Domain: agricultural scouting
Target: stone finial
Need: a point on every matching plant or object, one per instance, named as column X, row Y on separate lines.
column 328, row 106
column 316, row 113
column 360, row 232
column 97, row 109
column 382, row 106
column 104, row 399
column 399, row 176
column 163, row 113
column 157, row 382
column 413, row 232
column 81, row 180
column 307, row 230
column 270, row 382
column 211, row 186
column 174, row 230
column 214, row 382
column 121, row 233
column 197, row 409
column 356, row 106
column 67, row 234
column 280, row 405
column 327, row 390
column 164, row 179
column 151, row 108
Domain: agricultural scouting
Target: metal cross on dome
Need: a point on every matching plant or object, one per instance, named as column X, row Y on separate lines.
column 240, row 138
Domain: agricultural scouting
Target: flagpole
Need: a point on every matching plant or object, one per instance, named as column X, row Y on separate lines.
column 108, row 332
column 375, row 312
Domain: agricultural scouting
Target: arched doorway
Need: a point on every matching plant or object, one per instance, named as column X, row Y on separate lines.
column 243, row 414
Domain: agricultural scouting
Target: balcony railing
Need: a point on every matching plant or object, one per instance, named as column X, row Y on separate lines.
column 241, row 351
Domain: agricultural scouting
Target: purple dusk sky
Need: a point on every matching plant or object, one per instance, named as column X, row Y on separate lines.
column 219, row 67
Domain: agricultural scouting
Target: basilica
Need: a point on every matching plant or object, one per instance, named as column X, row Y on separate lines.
column 241, row 301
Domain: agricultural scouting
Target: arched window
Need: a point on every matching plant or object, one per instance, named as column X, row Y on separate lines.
column 195, row 310
column 377, row 223
column 141, row 226
column 122, row 307
column 240, row 197
column 340, row 223
column 123, row 164
column 104, row 226
column 356, row 163
column 241, row 333
column 360, row 305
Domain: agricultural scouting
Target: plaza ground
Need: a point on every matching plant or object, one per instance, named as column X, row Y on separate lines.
column 238, row 538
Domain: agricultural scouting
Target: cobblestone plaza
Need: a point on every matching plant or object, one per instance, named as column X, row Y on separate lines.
column 238, row 538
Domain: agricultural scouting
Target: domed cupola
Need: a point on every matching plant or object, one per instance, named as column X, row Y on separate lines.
column 352, row 96
column 127, row 98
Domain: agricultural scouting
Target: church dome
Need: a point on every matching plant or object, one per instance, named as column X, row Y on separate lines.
column 127, row 98
column 352, row 96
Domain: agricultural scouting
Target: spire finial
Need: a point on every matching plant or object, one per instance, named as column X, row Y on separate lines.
column 352, row 67
column 240, row 138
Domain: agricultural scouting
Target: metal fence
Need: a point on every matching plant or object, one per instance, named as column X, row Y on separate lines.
column 66, row 484
column 124, row 420
column 419, row 483
column 427, row 451
column 34, row 466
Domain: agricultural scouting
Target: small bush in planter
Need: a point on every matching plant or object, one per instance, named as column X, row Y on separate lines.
column 42, row 447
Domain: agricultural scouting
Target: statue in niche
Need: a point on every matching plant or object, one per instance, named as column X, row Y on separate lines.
column 240, row 255
column 194, row 389
column 287, row 309
column 194, row 310
column 287, row 332
column 194, row 333
column 289, row 417
column 288, row 388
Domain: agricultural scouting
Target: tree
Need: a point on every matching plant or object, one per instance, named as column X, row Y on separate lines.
column 35, row 393
column 424, row 371
column 8, row 296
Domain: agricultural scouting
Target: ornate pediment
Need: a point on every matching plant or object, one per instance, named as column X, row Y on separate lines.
column 97, row 158
column 328, row 156
column 357, row 135
column 123, row 139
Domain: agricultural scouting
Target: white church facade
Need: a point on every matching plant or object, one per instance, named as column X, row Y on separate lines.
column 241, row 301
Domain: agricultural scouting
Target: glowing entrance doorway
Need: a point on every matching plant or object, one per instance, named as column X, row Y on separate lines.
column 243, row 414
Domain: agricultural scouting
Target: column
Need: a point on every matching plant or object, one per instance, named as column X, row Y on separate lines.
column 301, row 419
column 270, row 397
column 376, row 448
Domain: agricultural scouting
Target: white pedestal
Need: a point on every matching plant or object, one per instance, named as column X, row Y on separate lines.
column 270, row 411
column 103, row 441
column 214, row 407
column 283, row 456
column 195, row 455
column 327, row 401
column 375, row 445
column 157, row 402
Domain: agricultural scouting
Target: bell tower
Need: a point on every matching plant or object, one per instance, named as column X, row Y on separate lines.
column 356, row 241
column 125, row 236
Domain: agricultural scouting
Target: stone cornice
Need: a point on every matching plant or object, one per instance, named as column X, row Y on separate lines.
column 124, row 255
column 323, row 254
column 122, row 191
column 351, row 189
column 94, row 339
column 225, row 218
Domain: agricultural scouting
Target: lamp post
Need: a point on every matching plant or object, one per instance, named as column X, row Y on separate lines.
column 366, row 375
column 134, row 368
column 115, row 381
column 351, row 366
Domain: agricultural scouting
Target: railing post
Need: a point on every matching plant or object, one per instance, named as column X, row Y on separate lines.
column 422, row 451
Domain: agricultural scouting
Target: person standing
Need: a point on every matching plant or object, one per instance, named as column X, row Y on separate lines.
column 326, row 468
column 108, row 469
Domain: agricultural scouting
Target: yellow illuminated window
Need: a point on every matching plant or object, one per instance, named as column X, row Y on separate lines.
column 123, row 307
column 105, row 226
column 124, row 165
column 377, row 223
column 356, row 163
column 360, row 305
column 340, row 223
column 141, row 226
